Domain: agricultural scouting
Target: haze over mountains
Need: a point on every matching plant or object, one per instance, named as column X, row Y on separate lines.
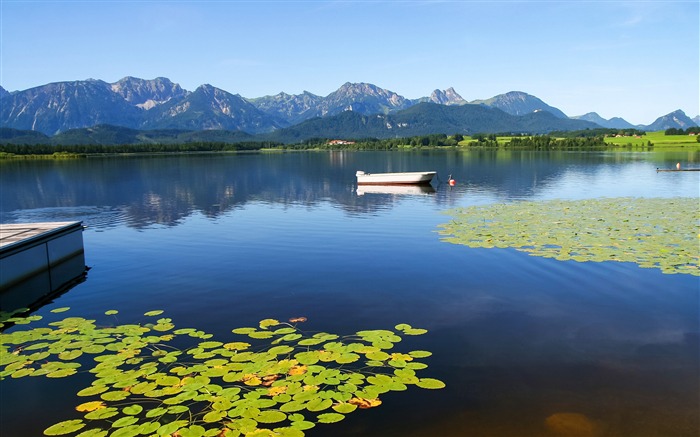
column 355, row 110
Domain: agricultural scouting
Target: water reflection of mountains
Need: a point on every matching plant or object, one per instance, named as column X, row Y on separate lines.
column 142, row 191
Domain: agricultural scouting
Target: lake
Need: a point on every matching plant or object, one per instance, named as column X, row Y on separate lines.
column 526, row 346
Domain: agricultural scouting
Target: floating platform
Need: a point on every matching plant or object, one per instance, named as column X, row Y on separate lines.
column 38, row 260
column 677, row 169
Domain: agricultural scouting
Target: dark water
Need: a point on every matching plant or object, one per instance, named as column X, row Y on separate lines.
column 527, row 346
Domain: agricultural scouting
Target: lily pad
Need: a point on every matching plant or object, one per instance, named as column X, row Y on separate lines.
column 102, row 413
column 95, row 432
column 657, row 233
column 344, row 408
column 271, row 416
column 65, row 427
column 60, row 310
column 430, row 383
column 90, row 406
column 132, row 410
column 143, row 386
column 330, row 417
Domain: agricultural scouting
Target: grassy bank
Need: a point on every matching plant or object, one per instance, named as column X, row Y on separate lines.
column 658, row 139
column 579, row 140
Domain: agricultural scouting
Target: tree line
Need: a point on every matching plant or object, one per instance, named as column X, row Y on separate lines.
column 693, row 130
column 538, row 142
column 86, row 149
column 599, row 132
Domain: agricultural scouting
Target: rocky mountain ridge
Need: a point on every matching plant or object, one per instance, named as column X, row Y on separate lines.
column 162, row 104
column 613, row 123
column 675, row 119
column 147, row 94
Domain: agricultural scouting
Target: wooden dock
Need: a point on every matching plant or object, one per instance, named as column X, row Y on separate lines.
column 677, row 169
column 38, row 259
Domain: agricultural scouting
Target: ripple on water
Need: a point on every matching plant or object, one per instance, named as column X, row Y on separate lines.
column 95, row 217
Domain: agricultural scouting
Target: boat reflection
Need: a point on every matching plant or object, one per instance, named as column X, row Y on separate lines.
column 395, row 189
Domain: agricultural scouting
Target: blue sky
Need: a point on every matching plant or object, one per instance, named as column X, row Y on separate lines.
column 633, row 59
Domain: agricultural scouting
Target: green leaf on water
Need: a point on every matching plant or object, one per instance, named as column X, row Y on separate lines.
column 281, row 350
column 177, row 409
column 23, row 372
column 308, row 358
column 415, row 331
column 288, row 431
column 156, row 412
column 96, row 432
column 330, row 418
column 132, row 410
column 214, row 416
column 430, row 383
column 167, row 380
column 114, row 395
column 318, row 404
column 203, row 384
column 172, row 427
column 148, row 428
column 60, row 310
column 302, row 425
column 659, row 233
column 378, row 355
column 92, row 390
column 153, row 313
column 293, row 406
column 210, row 344
column 65, row 427
column 127, row 431
column 61, row 373
column 344, row 408
column 70, row 355
column 102, row 413
column 264, row 324
column 270, row 416
column 310, row 342
column 125, row 421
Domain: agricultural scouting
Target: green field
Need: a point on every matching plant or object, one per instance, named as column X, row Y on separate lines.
column 658, row 139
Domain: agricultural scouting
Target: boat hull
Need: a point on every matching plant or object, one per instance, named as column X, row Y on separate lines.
column 405, row 178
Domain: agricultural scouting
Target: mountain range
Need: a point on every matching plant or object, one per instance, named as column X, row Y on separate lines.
column 355, row 110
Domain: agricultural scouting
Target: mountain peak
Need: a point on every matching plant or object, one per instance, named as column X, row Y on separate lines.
column 160, row 103
column 364, row 98
column 147, row 94
column 360, row 88
column 676, row 119
column 206, row 88
column 613, row 123
column 447, row 97
column 519, row 103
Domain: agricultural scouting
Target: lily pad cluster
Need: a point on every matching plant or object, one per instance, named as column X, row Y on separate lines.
column 277, row 381
column 651, row 232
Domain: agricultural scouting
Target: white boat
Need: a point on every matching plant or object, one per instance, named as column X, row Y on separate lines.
column 405, row 178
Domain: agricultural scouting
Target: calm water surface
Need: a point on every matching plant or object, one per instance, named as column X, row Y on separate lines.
column 223, row 241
